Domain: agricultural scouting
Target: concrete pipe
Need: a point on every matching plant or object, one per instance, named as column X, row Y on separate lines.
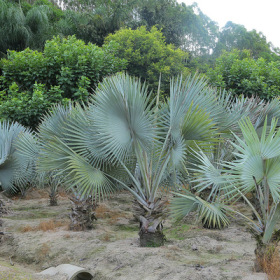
column 73, row 272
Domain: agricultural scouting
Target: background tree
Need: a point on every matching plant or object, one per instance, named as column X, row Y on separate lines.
column 148, row 56
column 93, row 20
column 236, row 36
column 26, row 25
column 239, row 73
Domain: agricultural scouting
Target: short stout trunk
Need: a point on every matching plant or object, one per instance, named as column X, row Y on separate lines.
column 151, row 232
column 151, row 223
column 267, row 255
column 83, row 214
column 3, row 210
column 264, row 255
column 53, row 198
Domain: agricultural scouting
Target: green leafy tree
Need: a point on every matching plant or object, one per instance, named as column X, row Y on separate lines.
column 239, row 73
column 32, row 81
column 148, row 55
column 168, row 16
column 28, row 107
column 236, row 36
column 93, row 20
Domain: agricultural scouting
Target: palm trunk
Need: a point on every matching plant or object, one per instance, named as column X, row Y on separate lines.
column 83, row 214
column 266, row 253
column 3, row 210
column 151, row 232
column 151, row 223
column 53, row 198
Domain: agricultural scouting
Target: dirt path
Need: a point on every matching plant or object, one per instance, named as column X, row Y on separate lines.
column 38, row 237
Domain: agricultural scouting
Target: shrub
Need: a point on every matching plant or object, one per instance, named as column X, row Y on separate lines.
column 149, row 56
column 239, row 73
column 32, row 81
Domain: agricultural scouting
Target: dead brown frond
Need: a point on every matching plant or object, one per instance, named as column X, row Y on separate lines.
column 270, row 264
column 49, row 225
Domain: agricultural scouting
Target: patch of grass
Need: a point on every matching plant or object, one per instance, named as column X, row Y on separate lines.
column 130, row 228
column 13, row 273
column 105, row 237
column 33, row 214
column 178, row 231
column 27, row 208
column 103, row 212
column 43, row 252
column 95, row 251
column 15, row 276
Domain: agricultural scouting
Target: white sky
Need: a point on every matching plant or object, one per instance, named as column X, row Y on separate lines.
column 264, row 16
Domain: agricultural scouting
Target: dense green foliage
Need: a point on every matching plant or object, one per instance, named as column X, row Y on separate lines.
column 155, row 37
column 148, row 55
column 236, row 36
column 239, row 73
column 26, row 25
column 67, row 69
column 184, row 26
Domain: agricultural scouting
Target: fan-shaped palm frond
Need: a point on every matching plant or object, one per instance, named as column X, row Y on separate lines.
column 256, row 167
column 211, row 214
column 258, row 158
column 130, row 121
column 16, row 170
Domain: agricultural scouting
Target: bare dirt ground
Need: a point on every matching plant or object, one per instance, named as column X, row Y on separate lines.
column 37, row 237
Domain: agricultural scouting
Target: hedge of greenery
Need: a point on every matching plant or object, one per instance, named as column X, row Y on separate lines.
column 67, row 69
column 239, row 73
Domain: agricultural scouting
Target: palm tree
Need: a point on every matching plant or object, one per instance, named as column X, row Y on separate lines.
column 256, row 167
column 122, row 140
column 16, row 170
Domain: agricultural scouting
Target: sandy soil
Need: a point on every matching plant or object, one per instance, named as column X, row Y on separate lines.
column 111, row 250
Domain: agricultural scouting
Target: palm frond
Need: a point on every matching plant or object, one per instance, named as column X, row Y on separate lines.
column 130, row 121
column 211, row 214
column 16, row 170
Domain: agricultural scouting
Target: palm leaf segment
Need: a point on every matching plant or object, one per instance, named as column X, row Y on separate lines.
column 16, row 170
column 258, row 158
column 211, row 214
column 187, row 121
